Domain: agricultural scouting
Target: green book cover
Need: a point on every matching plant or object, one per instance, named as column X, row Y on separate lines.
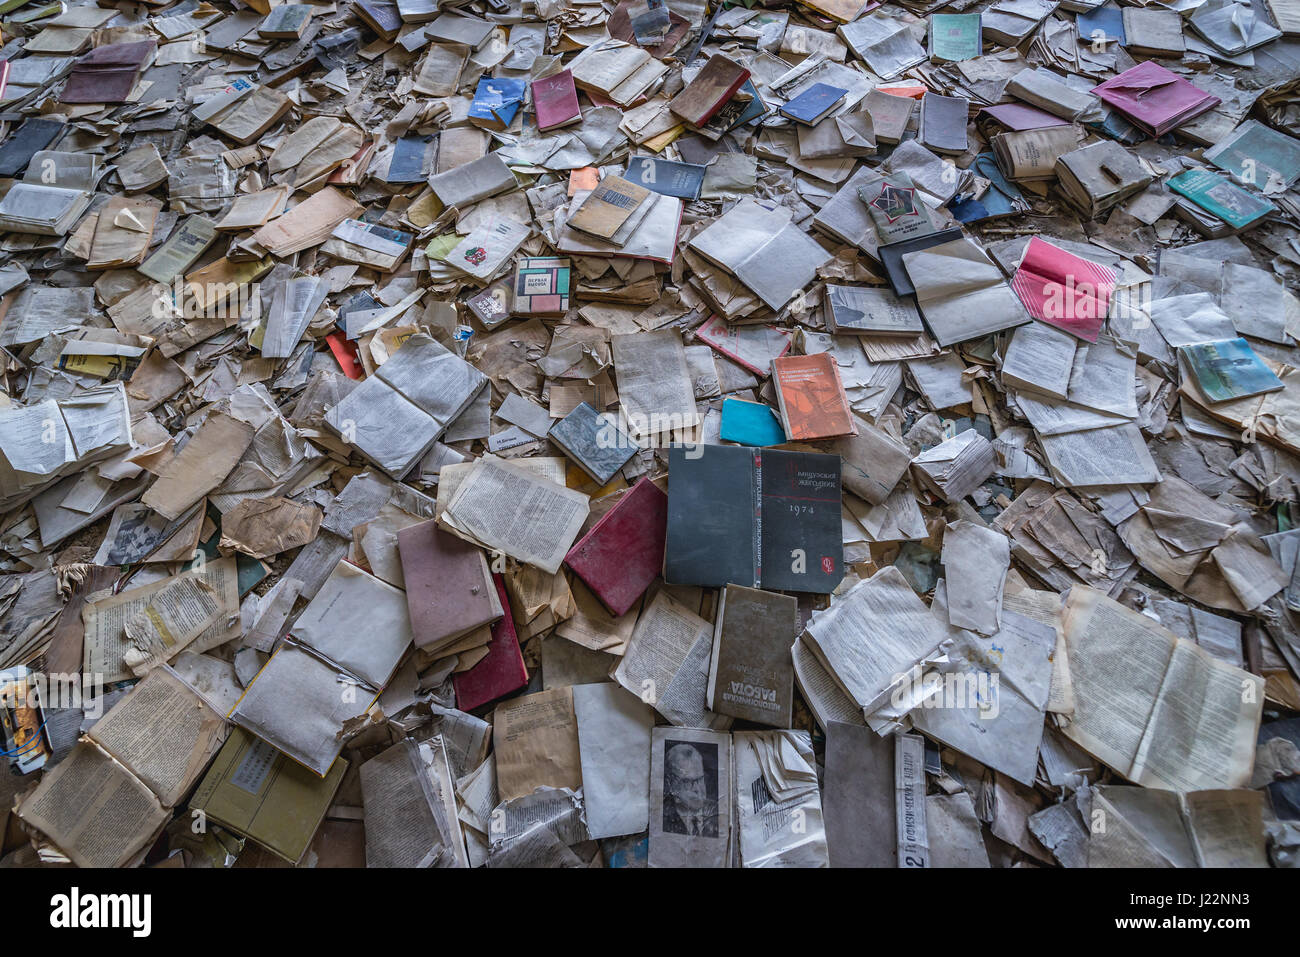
column 955, row 36
column 1222, row 197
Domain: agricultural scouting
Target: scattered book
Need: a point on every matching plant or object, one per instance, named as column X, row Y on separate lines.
column 612, row 210
column 811, row 397
column 502, row 669
column 764, row 517
column 449, row 590
column 496, row 101
column 750, row 423
column 555, row 100
column 954, row 36
column 668, row 177
column 286, row 22
column 541, row 287
column 624, row 551
column 751, row 673
column 814, row 104
column 596, row 442
column 1222, row 198
column 870, row 310
column 715, row 84
column 1229, row 369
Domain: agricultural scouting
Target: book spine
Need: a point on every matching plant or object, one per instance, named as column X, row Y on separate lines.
column 758, row 519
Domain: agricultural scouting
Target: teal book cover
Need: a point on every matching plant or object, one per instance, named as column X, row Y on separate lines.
column 750, row 423
column 1222, row 197
column 955, row 36
column 1229, row 369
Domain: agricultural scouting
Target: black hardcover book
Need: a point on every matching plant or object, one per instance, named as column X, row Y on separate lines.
column 891, row 257
column 25, row 142
column 762, row 518
column 595, row 442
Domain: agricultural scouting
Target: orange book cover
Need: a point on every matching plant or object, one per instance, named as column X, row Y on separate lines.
column 811, row 397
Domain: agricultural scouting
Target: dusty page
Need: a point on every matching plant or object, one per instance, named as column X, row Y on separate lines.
column 1118, row 660
column 174, row 616
column 975, row 561
column 778, row 803
column 1227, row 827
column 401, row 829
column 909, row 801
column 164, row 732
column 872, row 636
column 1201, row 730
column 510, row 509
column 94, row 809
column 690, row 798
column 614, row 746
column 666, row 664
column 828, row 702
column 201, row 466
column 106, row 643
column 654, row 382
column 535, row 738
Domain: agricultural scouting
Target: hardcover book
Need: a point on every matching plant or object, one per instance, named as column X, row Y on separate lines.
column 449, row 590
column 814, row 103
column 764, row 518
column 751, row 673
column 811, row 397
column 683, row 180
column 502, row 671
column 496, row 101
column 624, row 551
column 712, row 87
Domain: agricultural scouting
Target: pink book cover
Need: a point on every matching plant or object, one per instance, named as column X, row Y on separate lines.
column 1155, row 98
column 502, row 671
column 1022, row 116
column 1064, row 290
column 555, row 99
column 753, row 347
column 624, row 551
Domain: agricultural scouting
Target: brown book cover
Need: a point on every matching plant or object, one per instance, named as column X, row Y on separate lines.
column 712, row 87
column 811, row 397
column 609, row 207
column 449, row 591
column 751, row 674
column 108, row 74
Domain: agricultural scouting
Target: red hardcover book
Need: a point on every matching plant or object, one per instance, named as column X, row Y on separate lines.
column 624, row 551
column 502, row 671
column 712, row 87
column 555, row 99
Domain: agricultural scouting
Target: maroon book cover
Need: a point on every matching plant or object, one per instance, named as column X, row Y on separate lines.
column 555, row 99
column 109, row 73
column 624, row 551
column 448, row 585
column 502, row 671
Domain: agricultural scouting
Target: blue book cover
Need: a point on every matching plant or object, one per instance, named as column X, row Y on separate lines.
column 668, row 177
column 1221, row 197
column 1229, row 369
column 497, row 100
column 1103, row 23
column 750, row 423
column 813, row 102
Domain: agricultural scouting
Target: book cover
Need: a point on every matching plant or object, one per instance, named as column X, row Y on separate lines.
column 1064, row 290
column 751, row 673
column 609, row 207
column 752, row 347
column 381, row 16
column 1229, row 369
column 287, row 21
column 496, row 101
column 555, row 99
column 744, row 107
column 261, row 793
column 541, row 286
column 870, row 309
column 750, row 423
column 501, row 671
column 30, row 138
column 624, row 551
column 896, row 210
column 1220, row 196
column 650, row 21
column 943, row 123
column 713, row 86
column 683, row 180
column 595, row 442
column 814, row 103
column 1154, row 98
column 766, row 518
column 448, row 587
column 955, row 36
column 811, row 397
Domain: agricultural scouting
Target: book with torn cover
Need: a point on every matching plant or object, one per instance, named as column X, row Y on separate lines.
column 763, row 517
column 750, row 423
column 624, row 551
column 1154, row 98
column 715, row 84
